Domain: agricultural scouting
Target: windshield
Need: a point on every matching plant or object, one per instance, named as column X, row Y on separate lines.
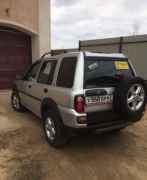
column 101, row 71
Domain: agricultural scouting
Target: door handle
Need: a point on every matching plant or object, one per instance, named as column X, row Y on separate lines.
column 29, row 86
column 45, row 90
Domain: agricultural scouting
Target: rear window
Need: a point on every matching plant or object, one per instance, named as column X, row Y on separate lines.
column 101, row 71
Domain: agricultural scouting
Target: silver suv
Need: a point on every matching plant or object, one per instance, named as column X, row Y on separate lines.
column 81, row 90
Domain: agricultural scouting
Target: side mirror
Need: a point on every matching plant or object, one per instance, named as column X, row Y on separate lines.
column 18, row 77
column 31, row 79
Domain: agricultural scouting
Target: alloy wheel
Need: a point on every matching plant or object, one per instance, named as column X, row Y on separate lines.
column 135, row 97
column 50, row 128
column 16, row 102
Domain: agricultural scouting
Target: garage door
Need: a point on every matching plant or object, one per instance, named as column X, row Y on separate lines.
column 15, row 55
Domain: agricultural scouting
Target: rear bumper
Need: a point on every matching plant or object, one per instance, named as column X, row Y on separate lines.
column 102, row 121
column 70, row 117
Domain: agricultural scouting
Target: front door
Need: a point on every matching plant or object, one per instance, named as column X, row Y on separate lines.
column 28, row 98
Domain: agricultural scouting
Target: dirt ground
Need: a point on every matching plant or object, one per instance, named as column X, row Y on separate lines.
column 25, row 154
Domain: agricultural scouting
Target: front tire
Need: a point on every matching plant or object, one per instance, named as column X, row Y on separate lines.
column 54, row 129
column 16, row 102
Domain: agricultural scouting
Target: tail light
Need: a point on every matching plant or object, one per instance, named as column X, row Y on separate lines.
column 79, row 104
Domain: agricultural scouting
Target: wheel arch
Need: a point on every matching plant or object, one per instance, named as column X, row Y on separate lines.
column 14, row 87
column 49, row 104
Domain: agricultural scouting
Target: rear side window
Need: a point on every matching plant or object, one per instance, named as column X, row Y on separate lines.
column 47, row 72
column 67, row 72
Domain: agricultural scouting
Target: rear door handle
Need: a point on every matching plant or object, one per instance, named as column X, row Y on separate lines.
column 45, row 90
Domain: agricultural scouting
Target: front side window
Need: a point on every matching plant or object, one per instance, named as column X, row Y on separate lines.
column 67, row 72
column 47, row 72
column 31, row 74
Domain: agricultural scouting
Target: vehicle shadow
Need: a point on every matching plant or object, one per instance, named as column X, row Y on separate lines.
column 122, row 143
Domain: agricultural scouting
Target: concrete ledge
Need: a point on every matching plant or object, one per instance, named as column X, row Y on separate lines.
column 19, row 27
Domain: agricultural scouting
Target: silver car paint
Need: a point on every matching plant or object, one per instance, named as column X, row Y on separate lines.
column 63, row 97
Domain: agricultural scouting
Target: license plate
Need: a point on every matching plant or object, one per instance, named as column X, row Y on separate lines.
column 107, row 99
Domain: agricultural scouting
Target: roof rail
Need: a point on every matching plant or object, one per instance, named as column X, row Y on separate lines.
column 53, row 53
column 48, row 53
column 58, row 52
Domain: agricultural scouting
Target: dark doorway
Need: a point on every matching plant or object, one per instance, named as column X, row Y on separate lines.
column 15, row 55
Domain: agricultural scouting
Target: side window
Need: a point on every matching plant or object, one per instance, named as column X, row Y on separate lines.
column 67, row 72
column 47, row 72
column 30, row 76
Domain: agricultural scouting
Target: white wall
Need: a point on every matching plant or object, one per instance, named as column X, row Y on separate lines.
column 42, row 42
column 44, row 26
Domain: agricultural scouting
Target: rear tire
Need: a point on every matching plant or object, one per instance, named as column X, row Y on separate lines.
column 55, row 131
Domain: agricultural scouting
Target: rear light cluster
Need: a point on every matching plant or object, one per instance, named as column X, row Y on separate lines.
column 79, row 104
